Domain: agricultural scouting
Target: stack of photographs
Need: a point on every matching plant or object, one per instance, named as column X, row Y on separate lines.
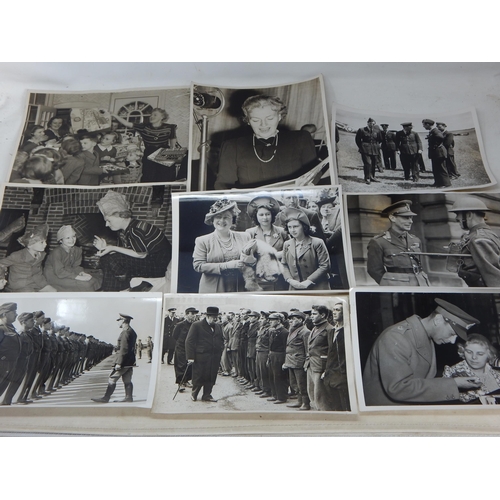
column 217, row 255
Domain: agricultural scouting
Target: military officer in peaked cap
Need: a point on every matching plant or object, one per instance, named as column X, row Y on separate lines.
column 409, row 148
column 401, row 367
column 388, row 263
column 480, row 246
column 10, row 344
column 437, row 154
column 124, row 362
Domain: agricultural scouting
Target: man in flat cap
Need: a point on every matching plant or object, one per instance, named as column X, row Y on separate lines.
column 409, row 148
column 10, row 344
column 388, row 146
column 437, row 154
column 449, row 144
column 368, row 140
column 389, row 262
column 183, row 371
column 480, row 246
column 401, row 367
column 204, row 345
column 124, row 362
column 168, row 341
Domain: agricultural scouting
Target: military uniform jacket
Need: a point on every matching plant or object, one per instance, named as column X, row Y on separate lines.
column 10, row 345
column 368, row 141
column 385, row 261
column 253, row 329
column 168, row 330
column 408, row 144
column 317, row 348
column 262, row 343
column 296, row 347
column 436, row 148
column 388, row 140
column 449, row 142
column 125, row 355
column 401, row 368
column 481, row 249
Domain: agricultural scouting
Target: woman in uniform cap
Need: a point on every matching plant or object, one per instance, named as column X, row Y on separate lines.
column 306, row 263
column 63, row 266
column 217, row 254
column 142, row 250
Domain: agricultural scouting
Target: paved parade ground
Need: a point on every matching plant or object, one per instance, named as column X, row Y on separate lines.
column 93, row 383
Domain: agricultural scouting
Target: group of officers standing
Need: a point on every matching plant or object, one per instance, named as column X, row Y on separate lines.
column 373, row 140
column 278, row 356
column 43, row 356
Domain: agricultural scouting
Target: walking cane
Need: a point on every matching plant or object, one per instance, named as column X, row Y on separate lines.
column 182, row 380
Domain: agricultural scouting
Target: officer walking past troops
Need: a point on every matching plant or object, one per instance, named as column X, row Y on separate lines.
column 368, row 140
column 449, row 144
column 388, row 146
column 401, row 367
column 437, row 154
column 480, row 265
column 10, row 344
column 295, row 357
column 393, row 255
column 124, row 362
column 168, row 342
column 204, row 345
column 183, row 371
column 409, row 147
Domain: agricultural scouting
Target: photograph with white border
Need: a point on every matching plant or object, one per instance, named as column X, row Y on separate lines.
column 256, row 353
column 420, row 350
column 259, row 136
column 391, row 152
column 272, row 240
column 104, row 138
column 70, row 239
column 79, row 350
column 438, row 238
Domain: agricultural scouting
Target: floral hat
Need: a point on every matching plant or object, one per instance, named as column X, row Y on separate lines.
column 222, row 205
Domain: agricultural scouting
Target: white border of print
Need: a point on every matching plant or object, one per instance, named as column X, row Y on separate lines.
column 245, row 195
column 416, row 117
column 357, row 360
column 94, row 307
column 164, row 403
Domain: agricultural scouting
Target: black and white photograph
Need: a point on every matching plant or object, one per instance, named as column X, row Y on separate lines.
column 93, row 138
column 440, row 239
column 275, row 240
column 78, row 350
column 391, row 152
column 61, row 239
column 255, row 353
column 417, row 350
column 260, row 136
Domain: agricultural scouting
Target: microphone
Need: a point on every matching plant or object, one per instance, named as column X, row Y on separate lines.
column 206, row 101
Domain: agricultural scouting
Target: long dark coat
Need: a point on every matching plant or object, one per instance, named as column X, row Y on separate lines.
column 180, row 361
column 204, row 346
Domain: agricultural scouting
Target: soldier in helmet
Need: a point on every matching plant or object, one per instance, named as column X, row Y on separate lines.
column 480, row 246
column 389, row 264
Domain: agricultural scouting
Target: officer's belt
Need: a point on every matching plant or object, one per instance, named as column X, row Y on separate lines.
column 405, row 270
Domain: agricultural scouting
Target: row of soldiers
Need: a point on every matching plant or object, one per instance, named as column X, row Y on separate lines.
column 43, row 357
column 297, row 355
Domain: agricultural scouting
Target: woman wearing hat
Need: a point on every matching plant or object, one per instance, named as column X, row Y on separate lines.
column 25, row 266
column 263, row 210
column 217, row 254
column 305, row 259
column 63, row 266
column 142, row 250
